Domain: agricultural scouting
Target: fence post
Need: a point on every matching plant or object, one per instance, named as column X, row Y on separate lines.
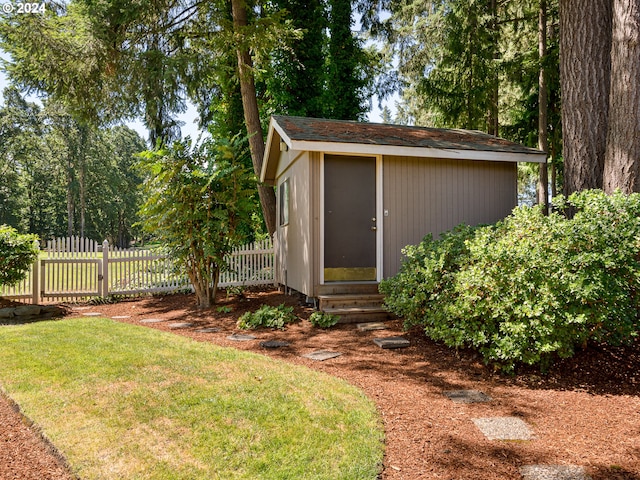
column 105, row 268
column 35, row 283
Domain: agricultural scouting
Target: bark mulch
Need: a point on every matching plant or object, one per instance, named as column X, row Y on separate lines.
column 584, row 412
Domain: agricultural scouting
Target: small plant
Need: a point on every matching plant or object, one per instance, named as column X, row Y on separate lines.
column 109, row 299
column 267, row 316
column 224, row 309
column 323, row 319
column 235, row 291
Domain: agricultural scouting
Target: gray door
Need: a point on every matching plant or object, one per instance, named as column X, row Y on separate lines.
column 349, row 218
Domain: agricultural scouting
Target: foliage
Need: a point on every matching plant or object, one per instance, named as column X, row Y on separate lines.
column 17, row 254
column 59, row 177
column 323, row 319
column 348, row 66
column 197, row 202
column 472, row 65
column 265, row 419
column 267, row 316
column 296, row 78
column 235, row 291
column 531, row 287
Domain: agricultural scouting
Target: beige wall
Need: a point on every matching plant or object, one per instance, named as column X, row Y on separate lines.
column 422, row 196
column 294, row 259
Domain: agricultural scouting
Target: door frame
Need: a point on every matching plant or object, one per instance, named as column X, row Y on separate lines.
column 379, row 217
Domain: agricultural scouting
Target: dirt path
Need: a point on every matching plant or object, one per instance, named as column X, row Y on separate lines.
column 585, row 412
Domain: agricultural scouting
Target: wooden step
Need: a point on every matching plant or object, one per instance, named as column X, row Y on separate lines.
column 354, row 307
column 359, row 314
column 348, row 288
column 349, row 301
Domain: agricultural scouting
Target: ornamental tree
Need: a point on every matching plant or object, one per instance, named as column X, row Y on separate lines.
column 198, row 204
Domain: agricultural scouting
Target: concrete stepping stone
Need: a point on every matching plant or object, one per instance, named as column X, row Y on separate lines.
column 92, row 314
column 504, row 428
column 553, row 472
column 208, row 330
column 322, row 355
column 467, row 396
column 392, row 342
column 80, row 309
column 274, row 344
column 236, row 337
column 180, row 325
column 371, row 326
column 120, row 317
column 151, row 320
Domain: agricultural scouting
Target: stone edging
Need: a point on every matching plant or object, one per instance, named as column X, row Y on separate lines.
column 29, row 313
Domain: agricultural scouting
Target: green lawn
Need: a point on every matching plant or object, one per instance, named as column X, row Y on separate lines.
column 128, row 402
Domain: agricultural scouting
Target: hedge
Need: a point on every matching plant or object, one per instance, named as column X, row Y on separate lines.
column 530, row 288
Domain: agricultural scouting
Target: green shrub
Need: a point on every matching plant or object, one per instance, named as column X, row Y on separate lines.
column 530, row 287
column 17, row 254
column 323, row 319
column 267, row 316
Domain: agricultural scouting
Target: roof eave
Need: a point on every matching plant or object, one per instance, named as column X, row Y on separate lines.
column 447, row 153
column 275, row 135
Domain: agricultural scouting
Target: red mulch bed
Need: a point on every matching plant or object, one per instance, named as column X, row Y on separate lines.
column 585, row 411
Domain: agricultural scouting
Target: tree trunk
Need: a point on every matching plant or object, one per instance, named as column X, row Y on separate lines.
column 585, row 64
column 82, row 184
column 543, row 139
column 251, row 113
column 70, row 203
column 494, row 98
column 622, row 159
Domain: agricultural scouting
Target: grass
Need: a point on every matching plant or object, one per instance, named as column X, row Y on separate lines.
column 127, row 402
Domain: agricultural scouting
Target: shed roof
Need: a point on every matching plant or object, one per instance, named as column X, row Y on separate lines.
column 340, row 136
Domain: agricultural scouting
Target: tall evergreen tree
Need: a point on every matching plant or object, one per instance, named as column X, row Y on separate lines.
column 448, row 60
column 345, row 97
column 297, row 81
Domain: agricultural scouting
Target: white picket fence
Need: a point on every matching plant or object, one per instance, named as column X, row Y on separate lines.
column 77, row 269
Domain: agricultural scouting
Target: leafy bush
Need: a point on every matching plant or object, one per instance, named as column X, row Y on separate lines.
column 198, row 204
column 323, row 319
column 17, row 254
column 267, row 316
column 530, row 287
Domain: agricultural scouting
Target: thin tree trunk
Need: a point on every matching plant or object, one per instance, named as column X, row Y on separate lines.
column 585, row 64
column 70, row 205
column 251, row 113
column 82, row 190
column 495, row 94
column 622, row 159
column 543, row 139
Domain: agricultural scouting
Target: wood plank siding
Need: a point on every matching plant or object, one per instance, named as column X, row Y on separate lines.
column 424, row 195
column 294, row 267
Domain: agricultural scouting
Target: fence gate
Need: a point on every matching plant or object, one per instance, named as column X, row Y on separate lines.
column 74, row 268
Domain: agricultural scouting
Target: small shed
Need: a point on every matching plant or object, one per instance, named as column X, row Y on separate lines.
column 351, row 195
